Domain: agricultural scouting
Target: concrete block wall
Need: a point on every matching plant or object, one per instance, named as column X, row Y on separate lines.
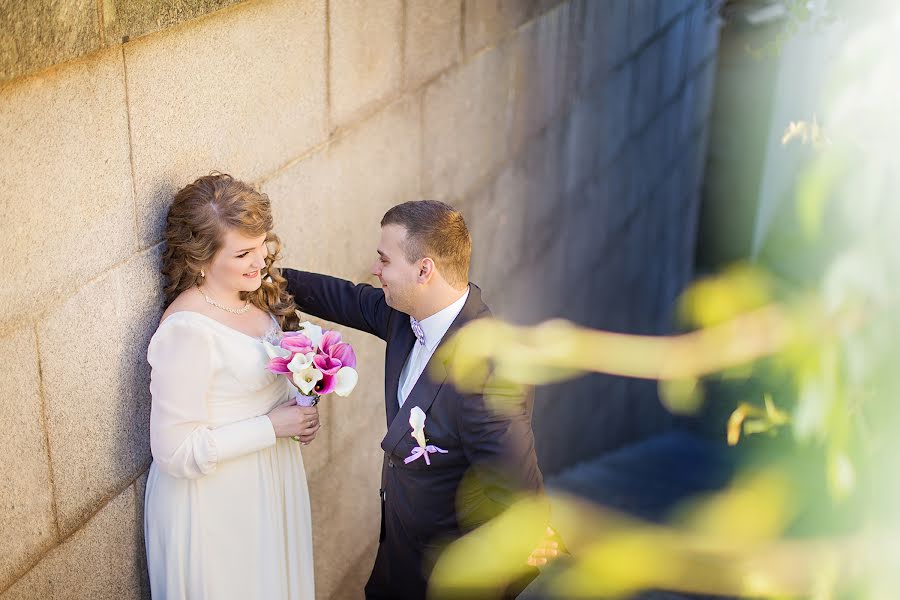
column 571, row 134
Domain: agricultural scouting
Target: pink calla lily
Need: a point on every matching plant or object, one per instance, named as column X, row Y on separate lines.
column 344, row 353
column 327, row 364
column 325, row 385
column 328, row 340
column 279, row 366
column 297, row 343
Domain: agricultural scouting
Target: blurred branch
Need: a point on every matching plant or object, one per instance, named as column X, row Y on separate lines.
column 614, row 555
column 558, row 350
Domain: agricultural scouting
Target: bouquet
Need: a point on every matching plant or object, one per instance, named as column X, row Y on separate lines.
column 316, row 362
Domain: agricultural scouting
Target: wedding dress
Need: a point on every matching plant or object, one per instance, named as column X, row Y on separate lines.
column 227, row 512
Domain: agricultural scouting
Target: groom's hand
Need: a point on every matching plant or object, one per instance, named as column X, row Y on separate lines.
column 547, row 550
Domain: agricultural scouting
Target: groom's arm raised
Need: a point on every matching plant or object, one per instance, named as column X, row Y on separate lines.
column 359, row 306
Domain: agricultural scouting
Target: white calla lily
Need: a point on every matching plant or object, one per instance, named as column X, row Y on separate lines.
column 345, row 380
column 307, row 379
column 311, row 331
column 275, row 351
column 417, row 422
column 300, row 362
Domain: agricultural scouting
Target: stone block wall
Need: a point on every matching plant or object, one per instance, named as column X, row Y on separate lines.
column 571, row 134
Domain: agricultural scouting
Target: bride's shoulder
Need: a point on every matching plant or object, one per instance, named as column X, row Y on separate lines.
column 189, row 300
column 183, row 336
column 182, row 331
column 183, row 310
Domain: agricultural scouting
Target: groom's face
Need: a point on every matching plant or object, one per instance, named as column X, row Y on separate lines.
column 397, row 275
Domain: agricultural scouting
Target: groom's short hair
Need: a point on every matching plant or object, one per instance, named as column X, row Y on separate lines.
column 435, row 230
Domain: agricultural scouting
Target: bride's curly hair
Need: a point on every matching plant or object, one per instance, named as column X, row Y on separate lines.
column 196, row 224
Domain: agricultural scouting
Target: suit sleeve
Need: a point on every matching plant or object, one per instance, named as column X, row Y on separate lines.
column 496, row 434
column 359, row 306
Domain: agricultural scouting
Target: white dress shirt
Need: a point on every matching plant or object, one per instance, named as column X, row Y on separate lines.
column 434, row 327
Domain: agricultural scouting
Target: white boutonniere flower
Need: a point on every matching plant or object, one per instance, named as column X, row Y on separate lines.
column 417, row 422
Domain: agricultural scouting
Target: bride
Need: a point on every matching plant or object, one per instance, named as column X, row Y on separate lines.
column 227, row 508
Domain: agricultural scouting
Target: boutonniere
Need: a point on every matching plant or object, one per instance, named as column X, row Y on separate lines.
column 417, row 422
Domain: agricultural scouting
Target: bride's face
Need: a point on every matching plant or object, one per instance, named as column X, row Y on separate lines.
column 239, row 263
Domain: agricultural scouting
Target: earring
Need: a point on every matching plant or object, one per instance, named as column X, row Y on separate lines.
column 202, row 274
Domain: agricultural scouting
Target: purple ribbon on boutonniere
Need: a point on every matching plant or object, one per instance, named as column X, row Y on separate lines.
column 417, row 422
column 419, row 451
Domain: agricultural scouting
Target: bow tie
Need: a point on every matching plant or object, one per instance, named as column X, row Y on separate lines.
column 417, row 329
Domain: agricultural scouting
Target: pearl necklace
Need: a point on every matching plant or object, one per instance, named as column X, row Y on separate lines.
column 234, row 311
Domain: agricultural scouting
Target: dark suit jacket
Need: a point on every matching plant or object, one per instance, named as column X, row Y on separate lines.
column 424, row 505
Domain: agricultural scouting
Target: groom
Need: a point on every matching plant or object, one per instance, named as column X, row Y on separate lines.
column 423, row 266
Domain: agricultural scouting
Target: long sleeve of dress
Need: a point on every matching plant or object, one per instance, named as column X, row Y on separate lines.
column 183, row 444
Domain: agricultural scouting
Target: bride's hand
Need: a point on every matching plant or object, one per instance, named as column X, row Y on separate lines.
column 311, row 420
column 289, row 420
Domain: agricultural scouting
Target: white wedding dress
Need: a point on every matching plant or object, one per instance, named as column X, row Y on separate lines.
column 227, row 511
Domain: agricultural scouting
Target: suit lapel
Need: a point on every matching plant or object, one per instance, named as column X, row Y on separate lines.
column 398, row 351
column 429, row 384
column 422, row 395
